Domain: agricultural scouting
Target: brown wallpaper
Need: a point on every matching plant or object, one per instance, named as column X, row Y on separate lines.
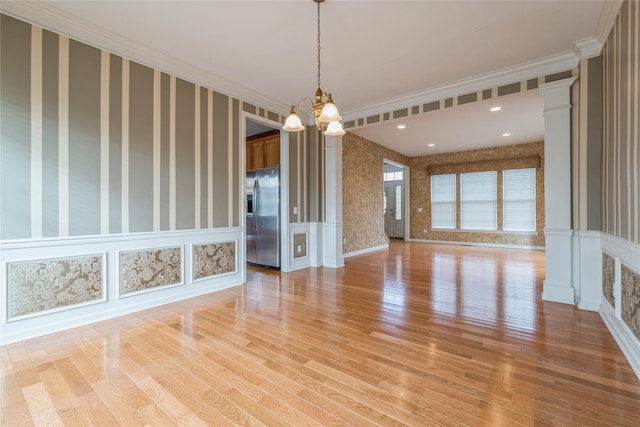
column 362, row 190
column 608, row 278
column 362, row 187
column 498, row 158
column 631, row 299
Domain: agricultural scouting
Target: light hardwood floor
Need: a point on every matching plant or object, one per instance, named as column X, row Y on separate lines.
column 417, row 335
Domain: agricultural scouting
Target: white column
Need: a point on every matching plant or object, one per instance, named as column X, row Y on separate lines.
column 557, row 285
column 332, row 227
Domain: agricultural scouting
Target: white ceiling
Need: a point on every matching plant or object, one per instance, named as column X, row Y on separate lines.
column 376, row 55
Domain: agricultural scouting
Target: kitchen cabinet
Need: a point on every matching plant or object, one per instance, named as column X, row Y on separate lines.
column 263, row 151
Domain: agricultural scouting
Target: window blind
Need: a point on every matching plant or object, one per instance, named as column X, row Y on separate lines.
column 478, row 200
column 519, row 200
column 443, row 201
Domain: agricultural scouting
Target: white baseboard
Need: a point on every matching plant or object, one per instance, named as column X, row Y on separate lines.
column 366, row 251
column 480, row 244
column 625, row 338
column 91, row 314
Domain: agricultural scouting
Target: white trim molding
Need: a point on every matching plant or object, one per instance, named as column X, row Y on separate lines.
column 608, row 16
column 625, row 338
column 479, row 244
column 627, row 253
column 366, row 250
column 586, row 48
column 114, row 304
column 304, row 261
column 529, row 70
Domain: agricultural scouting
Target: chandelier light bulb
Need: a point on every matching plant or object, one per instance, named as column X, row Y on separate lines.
column 322, row 106
column 293, row 122
column 334, row 129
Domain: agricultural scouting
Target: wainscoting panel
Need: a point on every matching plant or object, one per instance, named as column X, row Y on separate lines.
column 299, row 245
column 150, row 269
column 299, row 239
column 41, row 286
column 214, row 259
column 51, row 285
column 620, row 308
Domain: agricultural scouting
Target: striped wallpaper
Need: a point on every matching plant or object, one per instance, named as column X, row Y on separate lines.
column 621, row 142
column 96, row 144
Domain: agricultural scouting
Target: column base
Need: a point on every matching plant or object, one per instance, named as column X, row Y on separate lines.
column 557, row 292
column 557, row 285
column 332, row 245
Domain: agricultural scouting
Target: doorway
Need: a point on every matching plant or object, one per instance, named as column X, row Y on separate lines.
column 395, row 203
column 264, row 178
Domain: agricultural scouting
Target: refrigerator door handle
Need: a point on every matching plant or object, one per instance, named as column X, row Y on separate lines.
column 256, row 205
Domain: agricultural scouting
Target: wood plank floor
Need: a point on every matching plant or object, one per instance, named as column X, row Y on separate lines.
column 417, row 335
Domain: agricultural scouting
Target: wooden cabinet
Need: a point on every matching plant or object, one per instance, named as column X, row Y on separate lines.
column 263, row 151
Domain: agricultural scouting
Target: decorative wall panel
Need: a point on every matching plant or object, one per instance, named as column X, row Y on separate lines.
column 631, row 299
column 299, row 242
column 148, row 269
column 43, row 285
column 213, row 259
column 608, row 277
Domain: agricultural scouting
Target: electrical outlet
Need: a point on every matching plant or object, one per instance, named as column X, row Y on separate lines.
column 299, row 248
column 419, row 209
column 424, row 230
column 344, row 241
column 295, row 210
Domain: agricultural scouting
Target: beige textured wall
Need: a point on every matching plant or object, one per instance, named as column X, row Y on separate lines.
column 498, row 158
column 362, row 189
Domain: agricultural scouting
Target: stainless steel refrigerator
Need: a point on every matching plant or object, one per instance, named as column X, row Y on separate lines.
column 262, row 188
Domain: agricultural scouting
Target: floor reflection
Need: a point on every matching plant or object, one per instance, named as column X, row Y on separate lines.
column 488, row 285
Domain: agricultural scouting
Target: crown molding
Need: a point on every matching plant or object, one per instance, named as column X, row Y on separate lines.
column 51, row 18
column 543, row 67
column 586, row 48
column 607, row 18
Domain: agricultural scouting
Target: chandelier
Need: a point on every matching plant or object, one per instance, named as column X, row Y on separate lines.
column 323, row 108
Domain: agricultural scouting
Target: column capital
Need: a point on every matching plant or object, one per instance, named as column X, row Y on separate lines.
column 557, row 94
column 544, row 87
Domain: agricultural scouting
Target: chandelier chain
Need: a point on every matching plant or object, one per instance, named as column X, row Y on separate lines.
column 318, row 44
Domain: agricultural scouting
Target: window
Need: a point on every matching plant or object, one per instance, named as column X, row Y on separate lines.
column 393, row 176
column 478, row 200
column 398, row 202
column 519, row 200
column 443, row 201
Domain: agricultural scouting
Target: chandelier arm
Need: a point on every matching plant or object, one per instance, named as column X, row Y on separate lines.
column 319, row 44
column 323, row 108
column 302, row 102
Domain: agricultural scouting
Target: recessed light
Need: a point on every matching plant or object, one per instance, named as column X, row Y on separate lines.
column 494, row 109
column 431, row 145
column 506, row 134
column 401, row 126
